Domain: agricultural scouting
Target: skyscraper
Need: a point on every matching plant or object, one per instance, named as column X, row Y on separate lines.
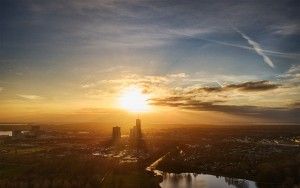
column 138, row 128
column 116, row 134
column 136, row 131
column 35, row 130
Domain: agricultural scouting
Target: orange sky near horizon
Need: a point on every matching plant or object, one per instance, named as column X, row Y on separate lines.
column 174, row 62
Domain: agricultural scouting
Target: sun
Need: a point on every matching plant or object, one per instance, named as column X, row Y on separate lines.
column 134, row 100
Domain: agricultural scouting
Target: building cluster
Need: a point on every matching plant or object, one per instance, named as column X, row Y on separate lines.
column 116, row 134
column 135, row 132
column 17, row 134
column 33, row 132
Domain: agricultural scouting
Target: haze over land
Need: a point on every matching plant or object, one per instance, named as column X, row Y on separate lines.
column 149, row 93
column 201, row 62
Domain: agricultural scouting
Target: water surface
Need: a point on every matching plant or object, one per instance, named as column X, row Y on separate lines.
column 193, row 180
column 5, row 133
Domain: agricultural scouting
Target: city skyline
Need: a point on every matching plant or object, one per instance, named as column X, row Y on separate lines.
column 150, row 93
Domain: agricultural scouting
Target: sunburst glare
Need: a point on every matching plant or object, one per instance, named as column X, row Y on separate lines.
column 134, row 100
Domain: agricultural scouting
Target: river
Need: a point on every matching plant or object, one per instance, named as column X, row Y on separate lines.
column 194, row 180
column 5, row 133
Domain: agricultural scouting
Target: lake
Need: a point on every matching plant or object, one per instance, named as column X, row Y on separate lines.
column 5, row 133
column 193, row 180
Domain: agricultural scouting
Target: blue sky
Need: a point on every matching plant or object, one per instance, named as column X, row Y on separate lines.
column 50, row 49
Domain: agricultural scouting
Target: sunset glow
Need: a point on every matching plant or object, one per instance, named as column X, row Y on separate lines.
column 133, row 100
column 149, row 93
column 177, row 61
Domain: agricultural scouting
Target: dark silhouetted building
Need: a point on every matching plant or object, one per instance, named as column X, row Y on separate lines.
column 35, row 131
column 138, row 128
column 35, row 128
column 136, row 131
column 17, row 134
column 116, row 134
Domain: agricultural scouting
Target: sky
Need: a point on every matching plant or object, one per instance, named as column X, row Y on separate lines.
column 198, row 62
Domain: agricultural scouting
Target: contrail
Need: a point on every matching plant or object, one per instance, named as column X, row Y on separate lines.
column 272, row 53
column 269, row 52
column 257, row 48
column 219, row 83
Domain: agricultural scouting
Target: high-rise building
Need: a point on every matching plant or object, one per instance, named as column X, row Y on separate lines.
column 138, row 128
column 35, row 130
column 136, row 131
column 17, row 134
column 133, row 132
column 116, row 134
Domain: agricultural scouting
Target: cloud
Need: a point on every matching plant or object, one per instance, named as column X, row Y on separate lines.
column 250, row 98
column 92, row 111
column 143, row 24
column 269, row 52
column 263, row 85
column 296, row 104
column 251, row 86
column 254, row 45
column 147, row 82
column 30, row 97
column 257, row 48
column 190, row 103
column 291, row 77
column 113, row 86
column 1, row 89
column 87, row 85
column 286, row 29
column 179, row 75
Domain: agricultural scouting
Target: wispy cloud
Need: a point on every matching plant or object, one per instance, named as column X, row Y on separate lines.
column 30, row 97
column 243, row 97
column 190, row 103
column 292, row 76
column 257, row 48
column 252, row 48
column 251, row 86
column 1, row 89
column 263, row 85
column 286, row 29
column 179, row 75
